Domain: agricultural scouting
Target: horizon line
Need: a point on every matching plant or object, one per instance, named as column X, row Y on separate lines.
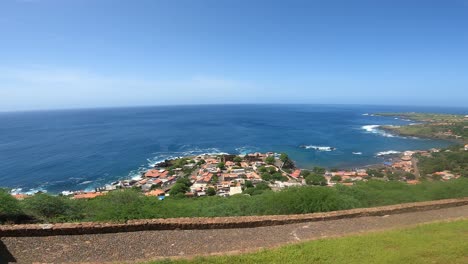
column 219, row 104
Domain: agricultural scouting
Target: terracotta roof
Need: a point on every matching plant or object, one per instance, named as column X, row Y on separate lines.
column 20, row 196
column 88, row 195
column 296, row 174
column 155, row 192
column 413, row 182
column 152, row 173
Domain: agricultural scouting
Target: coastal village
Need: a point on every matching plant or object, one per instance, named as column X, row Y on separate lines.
column 228, row 175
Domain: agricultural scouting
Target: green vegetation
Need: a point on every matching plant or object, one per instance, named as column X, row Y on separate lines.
column 131, row 204
column 10, row 209
column 442, row 242
column 287, row 162
column 255, row 190
column 316, row 179
column 270, row 160
column 237, row 159
column 270, row 174
column 454, row 159
column 221, row 165
column 181, row 187
column 426, row 117
column 442, row 126
column 211, row 191
column 336, row 178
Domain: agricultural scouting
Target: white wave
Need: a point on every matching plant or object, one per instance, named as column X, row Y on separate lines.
column 370, row 128
column 366, row 114
column 85, row 182
column 357, row 153
column 320, row 148
column 35, row 190
column 388, row 152
column 246, row 150
column 373, row 129
column 16, row 191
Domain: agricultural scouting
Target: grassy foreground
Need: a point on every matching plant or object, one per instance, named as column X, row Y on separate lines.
column 444, row 242
column 120, row 206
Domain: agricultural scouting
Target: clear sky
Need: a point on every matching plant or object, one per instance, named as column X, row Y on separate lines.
column 101, row 53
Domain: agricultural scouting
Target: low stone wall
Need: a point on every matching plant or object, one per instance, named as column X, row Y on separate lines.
column 217, row 222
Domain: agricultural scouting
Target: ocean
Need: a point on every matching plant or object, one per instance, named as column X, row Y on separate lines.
column 73, row 150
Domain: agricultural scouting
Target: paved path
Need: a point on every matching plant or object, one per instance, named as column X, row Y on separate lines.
column 149, row 245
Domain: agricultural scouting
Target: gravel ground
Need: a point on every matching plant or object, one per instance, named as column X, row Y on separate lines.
column 150, row 245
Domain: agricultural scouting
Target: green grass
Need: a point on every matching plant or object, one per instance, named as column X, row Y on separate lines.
column 120, row 206
column 443, row 242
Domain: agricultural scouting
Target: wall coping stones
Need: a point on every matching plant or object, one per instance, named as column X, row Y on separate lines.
column 31, row 230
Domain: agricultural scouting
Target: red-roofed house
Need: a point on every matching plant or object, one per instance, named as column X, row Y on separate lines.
column 89, row 195
column 296, row 174
column 152, row 174
column 20, row 196
column 155, row 192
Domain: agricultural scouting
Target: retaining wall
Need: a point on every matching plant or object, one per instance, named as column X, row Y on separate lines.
column 216, row 222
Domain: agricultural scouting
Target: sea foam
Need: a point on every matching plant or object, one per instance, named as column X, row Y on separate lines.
column 388, row 152
column 319, row 148
column 373, row 129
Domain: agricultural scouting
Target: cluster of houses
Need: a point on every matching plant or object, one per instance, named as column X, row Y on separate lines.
column 227, row 175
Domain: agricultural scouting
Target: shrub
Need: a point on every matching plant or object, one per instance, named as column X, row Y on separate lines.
column 45, row 206
column 10, row 209
column 316, row 179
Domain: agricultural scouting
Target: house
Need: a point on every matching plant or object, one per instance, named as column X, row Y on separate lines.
column 146, row 187
column 88, row 195
column 155, row 173
column 238, row 171
column 156, row 192
column 20, row 196
column 296, row 174
column 235, row 190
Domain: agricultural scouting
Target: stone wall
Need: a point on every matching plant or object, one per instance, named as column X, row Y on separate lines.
column 217, row 222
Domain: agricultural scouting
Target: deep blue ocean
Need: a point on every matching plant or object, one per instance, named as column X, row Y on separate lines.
column 83, row 149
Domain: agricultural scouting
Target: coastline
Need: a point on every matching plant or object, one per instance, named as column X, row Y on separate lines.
column 137, row 174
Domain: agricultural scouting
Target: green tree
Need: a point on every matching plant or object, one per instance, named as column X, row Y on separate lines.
column 45, row 206
column 179, row 188
column 272, row 170
column 270, row 160
column 318, row 170
column 336, row 178
column 214, row 179
column 375, row 173
column 210, row 191
column 10, row 208
column 248, row 184
column 221, row 165
column 410, row 176
column 266, row 176
column 316, row 179
column 284, row 157
column 184, row 181
column 237, row 159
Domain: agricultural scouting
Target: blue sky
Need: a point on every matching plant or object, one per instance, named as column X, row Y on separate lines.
column 89, row 53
